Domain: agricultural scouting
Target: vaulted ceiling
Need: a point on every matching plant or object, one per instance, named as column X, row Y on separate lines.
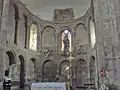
column 44, row 8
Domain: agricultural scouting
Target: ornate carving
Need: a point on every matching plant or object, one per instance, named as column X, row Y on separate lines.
column 81, row 49
column 47, row 52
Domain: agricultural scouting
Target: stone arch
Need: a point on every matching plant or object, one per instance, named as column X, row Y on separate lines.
column 33, row 36
column 64, row 70
column 22, row 71
column 66, row 27
column 66, row 40
column 47, row 27
column 32, row 68
column 11, row 57
column 12, row 66
column 81, row 24
column 60, row 66
column 81, row 35
column 16, row 18
column 9, row 62
column 49, row 71
column 34, row 62
column 48, row 36
column 92, row 69
column 81, row 72
column 26, row 29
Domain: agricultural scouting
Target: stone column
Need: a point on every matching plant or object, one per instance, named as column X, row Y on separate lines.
column 2, row 59
column 100, row 57
column 3, row 35
column 5, row 14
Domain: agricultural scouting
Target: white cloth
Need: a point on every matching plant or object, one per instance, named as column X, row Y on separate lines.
column 48, row 86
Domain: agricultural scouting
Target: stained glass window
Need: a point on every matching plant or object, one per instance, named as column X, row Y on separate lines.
column 92, row 34
column 33, row 37
column 66, row 41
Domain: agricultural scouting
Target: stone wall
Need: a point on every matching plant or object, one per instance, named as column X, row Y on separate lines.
column 48, row 41
column 7, row 32
column 107, row 34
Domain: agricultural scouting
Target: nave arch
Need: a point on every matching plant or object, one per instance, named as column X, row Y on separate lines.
column 92, row 70
column 64, row 68
column 49, row 71
column 16, row 70
column 48, row 36
column 81, row 72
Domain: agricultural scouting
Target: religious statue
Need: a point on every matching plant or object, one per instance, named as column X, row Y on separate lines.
column 66, row 44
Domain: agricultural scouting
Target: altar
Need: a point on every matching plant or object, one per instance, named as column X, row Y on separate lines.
column 48, row 86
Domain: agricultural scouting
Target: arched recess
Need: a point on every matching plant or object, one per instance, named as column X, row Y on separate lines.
column 92, row 35
column 22, row 71
column 33, row 37
column 92, row 70
column 81, row 72
column 26, row 29
column 66, row 40
column 16, row 18
column 48, row 37
column 81, row 35
column 11, row 57
column 49, row 71
column 32, row 68
column 64, row 69
column 13, row 67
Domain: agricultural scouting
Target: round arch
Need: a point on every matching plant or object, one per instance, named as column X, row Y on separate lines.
column 92, row 69
column 81, row 61
column 81, row 35
column 33, row 36
column 11, row 57
column 35, row 23
column 48, row 26
column 48, row 36
column 49, row 71
column 82, row 25
column 9, row 62
column 33, row 60
column 80, row 72
column 22, row 71
column 32, row 69
column 64, row 68
column 66, row 28
column 64, row 61
column 16, row 18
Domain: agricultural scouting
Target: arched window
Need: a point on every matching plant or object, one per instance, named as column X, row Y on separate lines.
column 16, row 17
column 92, row 34
column 33, row 37
column 26, row 30
column 66, row 38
